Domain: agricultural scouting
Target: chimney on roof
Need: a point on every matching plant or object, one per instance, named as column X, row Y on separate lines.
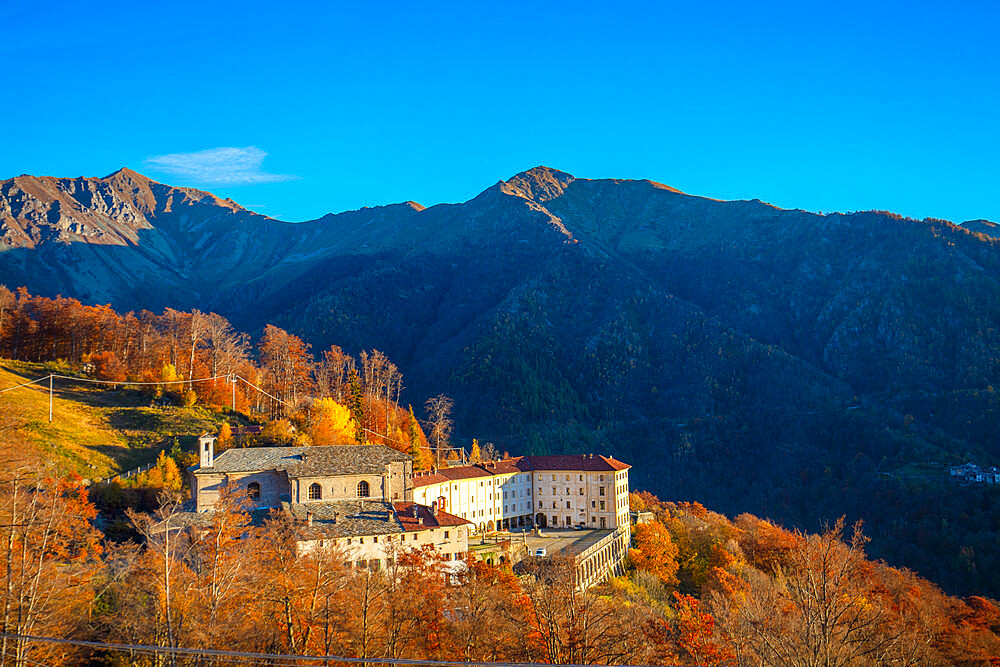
column 420, row 520
column 309, row 518
column 335, row 516
column 434, row 508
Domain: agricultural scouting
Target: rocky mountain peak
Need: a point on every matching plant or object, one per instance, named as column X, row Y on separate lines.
column 539, row 184
column 127, row 174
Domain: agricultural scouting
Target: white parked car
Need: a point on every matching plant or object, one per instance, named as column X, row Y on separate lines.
column 540, row 552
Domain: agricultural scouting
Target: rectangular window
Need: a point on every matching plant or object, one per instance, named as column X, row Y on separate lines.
column 602, row 490
column 540, row 503
column 581, row 490
column 568, row 506
column 601, row 477
column 375, row 539
column 348, row 540
column 602, row 504
column 446, row 534
column 567, row 478
column 414, row 537
column 553, row 490
column 593, row 504
column 553, row 504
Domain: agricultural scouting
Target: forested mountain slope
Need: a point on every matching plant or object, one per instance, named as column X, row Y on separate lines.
column 776, row 361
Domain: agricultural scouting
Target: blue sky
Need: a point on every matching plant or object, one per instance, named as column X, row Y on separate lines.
column 299, row 109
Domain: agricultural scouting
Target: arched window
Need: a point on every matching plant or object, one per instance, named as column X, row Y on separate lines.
column 315, row 492
column 363, row 490
column 253, row 491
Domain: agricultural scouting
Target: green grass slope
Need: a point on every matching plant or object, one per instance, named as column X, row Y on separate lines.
column 95, row 431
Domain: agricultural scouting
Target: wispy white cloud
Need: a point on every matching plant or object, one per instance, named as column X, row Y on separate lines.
column 218, row 166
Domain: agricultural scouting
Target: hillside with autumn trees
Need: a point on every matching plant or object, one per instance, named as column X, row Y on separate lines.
column 796, row 365
column 700, row 590
column 86, row 561
column 274, row 392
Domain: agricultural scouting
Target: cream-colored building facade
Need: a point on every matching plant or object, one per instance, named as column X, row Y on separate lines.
column 570, row 490
column 372, row 534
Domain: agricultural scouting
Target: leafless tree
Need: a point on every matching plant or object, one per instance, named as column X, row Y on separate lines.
column 818, row 611
column 229, row 347
column 439, row 419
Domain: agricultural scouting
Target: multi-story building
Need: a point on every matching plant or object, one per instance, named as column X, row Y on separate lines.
column 357, row 499
column 273, row 475
column 569, row 490
column 366, row 500
column 373, row 533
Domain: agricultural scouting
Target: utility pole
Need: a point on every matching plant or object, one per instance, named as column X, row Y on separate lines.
column 50, row 398
column 232, row 378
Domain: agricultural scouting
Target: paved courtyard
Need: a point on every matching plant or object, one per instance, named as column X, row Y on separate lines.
column 563, row 541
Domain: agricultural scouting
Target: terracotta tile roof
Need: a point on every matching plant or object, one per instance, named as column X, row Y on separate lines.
column 428, row 477
column 507, row 466
column 405, row 514
column 464, row 472
column 585, row 462
column 443, row 475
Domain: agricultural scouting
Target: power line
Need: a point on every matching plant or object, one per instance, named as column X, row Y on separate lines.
column 111, row 382
column 269, row 658
column 232, row 377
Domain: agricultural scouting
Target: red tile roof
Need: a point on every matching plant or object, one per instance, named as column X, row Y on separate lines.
column 442, row 475
column 405, row 513
column 427, row 477
column 507, row 466
column 585, row 462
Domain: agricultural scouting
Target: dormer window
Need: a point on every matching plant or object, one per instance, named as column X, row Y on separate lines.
column 253, row 491
column 315, row 492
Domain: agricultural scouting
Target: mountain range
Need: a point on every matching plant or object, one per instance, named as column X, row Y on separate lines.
column 758, row 359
